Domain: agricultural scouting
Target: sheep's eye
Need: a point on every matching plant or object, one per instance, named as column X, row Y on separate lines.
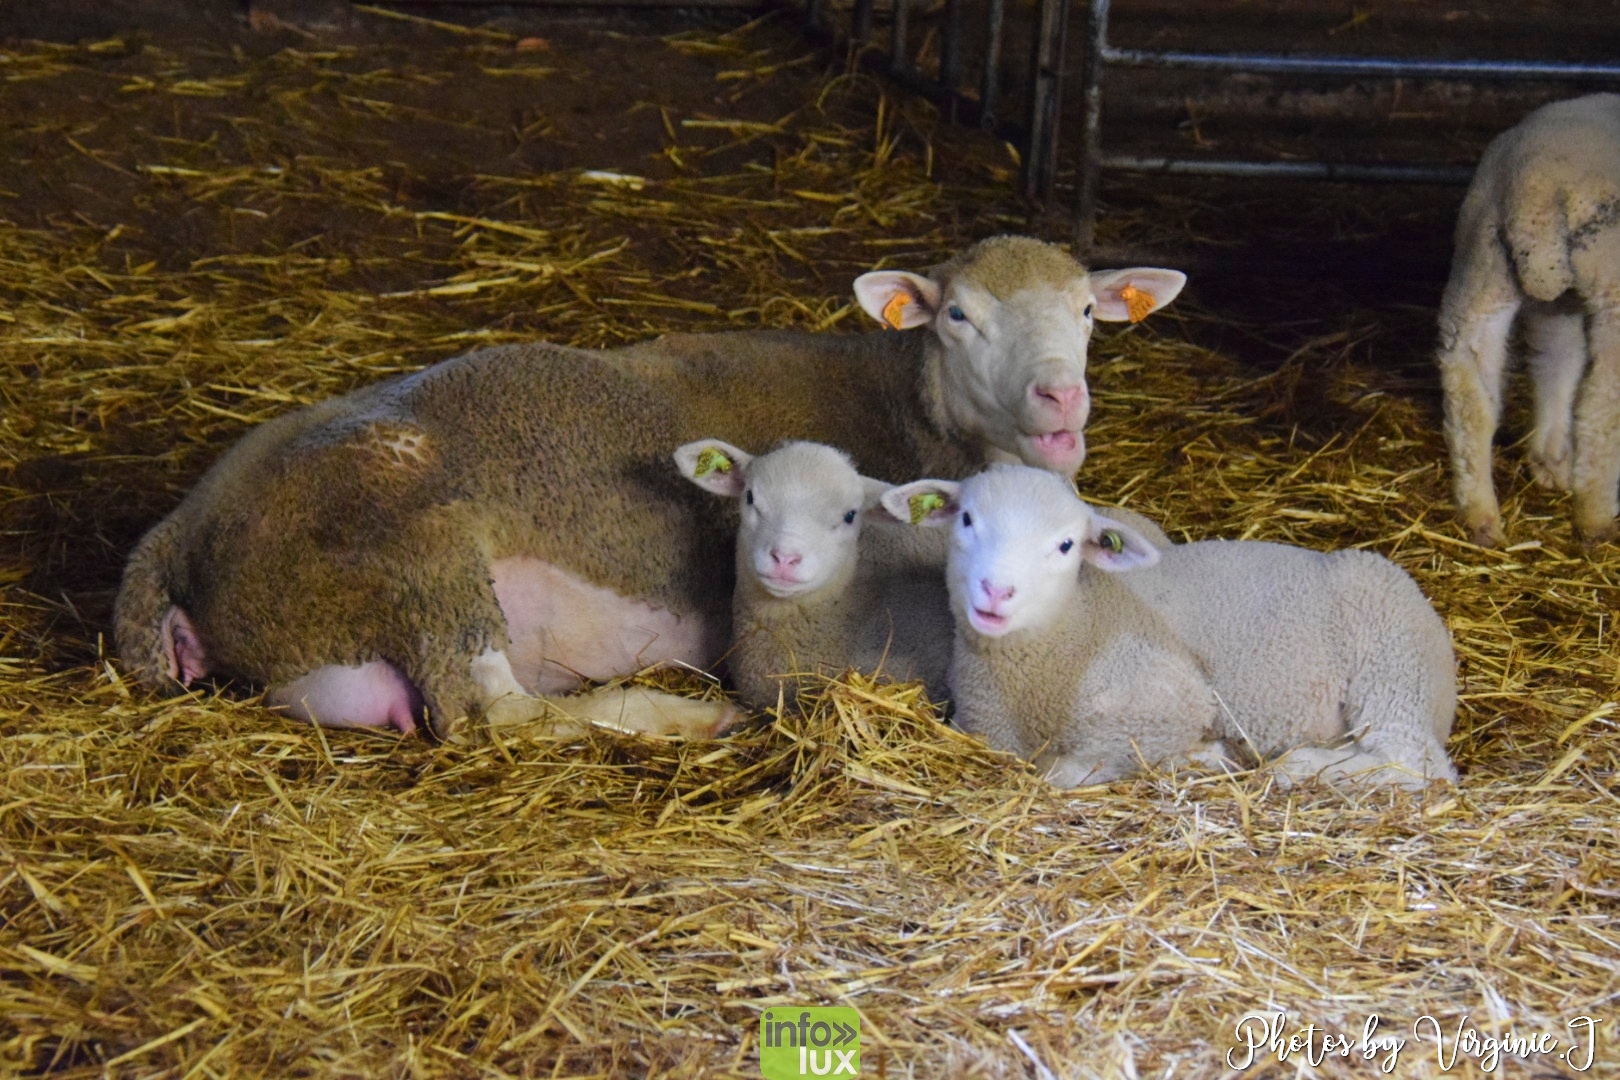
column 748, row 497
column 1066, row 547
column 967, row 520
column 849, row 518
column 1087, row 312
column 956, row 313
column 1111, row 541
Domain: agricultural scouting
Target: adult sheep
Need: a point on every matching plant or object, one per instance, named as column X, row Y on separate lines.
column 1538, row 236
column 504, row 526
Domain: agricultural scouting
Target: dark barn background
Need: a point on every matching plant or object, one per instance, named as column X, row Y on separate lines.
column 211, row 213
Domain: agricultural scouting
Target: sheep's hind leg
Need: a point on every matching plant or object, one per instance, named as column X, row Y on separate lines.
column 1596, row 474
column 1557, row 345
column 1476, row 315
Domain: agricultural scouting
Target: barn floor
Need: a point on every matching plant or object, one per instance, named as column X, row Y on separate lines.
column 203, row 226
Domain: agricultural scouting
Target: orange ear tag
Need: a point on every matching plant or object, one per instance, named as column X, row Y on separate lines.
column 1138, row 304
column 892, row 310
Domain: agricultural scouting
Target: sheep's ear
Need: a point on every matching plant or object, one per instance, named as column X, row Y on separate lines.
column 1112, row 546
column 714, row 466
column 897, row 299
column 872, row 496
column 1136, row 293
column 923, row 502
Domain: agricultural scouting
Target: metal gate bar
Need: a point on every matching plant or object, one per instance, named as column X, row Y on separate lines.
column 1098, row 53
column 981, row 104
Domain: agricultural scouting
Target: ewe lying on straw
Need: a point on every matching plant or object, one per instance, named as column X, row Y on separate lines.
column 505, row 524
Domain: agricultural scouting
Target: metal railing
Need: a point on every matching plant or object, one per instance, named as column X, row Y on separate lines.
column 1098, row 55
column 1038, row 136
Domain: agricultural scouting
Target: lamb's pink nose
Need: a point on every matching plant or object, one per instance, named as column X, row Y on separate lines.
column 786, row 560
column 996, row 594
column 1065, row 398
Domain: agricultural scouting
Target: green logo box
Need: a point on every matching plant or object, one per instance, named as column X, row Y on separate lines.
column 795, row 1044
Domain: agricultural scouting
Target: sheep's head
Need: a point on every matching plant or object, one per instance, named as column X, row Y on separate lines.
column 1013, row 317
column 802, row 507
column 1018, row 538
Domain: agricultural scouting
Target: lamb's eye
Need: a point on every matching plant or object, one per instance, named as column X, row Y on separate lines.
column 1066, row 547
column 956, row 313
column 1087, row 312
column 967, row 520
column 748, row 497
column 1111, row 541
column 849, row 518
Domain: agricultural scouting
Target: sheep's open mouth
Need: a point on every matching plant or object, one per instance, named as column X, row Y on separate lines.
column 988, row 621
column 1058, row 448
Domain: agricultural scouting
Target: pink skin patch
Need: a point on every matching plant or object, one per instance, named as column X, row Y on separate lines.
column 564, row 630
column 184, row 658
column 374, row 695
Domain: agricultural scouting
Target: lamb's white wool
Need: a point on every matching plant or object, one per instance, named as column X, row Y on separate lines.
column 1538, row 241
column 817, row 594
column 1082, row 646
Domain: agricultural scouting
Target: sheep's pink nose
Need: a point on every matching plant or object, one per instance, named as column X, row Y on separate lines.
column 1064, row 398
column 786, row 560
column 996, row 594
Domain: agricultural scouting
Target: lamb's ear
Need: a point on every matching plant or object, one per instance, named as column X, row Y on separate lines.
column 1136, row 293
column 897, row 299
column 923, row 502
column 1113, row 546
column 714, row 466
column 872, row 496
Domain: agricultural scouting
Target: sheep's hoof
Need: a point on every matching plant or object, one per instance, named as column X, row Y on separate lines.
column 1487, row 533
column 729, row 718
column 1592, row 535
column 456, row 731
column 1550, row 473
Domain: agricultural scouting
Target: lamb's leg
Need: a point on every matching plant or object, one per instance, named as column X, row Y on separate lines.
column 1356, row 765
column 1596, row 474
column 1557, row 345
column 1476, row 314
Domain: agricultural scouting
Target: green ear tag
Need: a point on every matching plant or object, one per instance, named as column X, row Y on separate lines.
column 1111, row 541
column 923, row 504
column 711, row 460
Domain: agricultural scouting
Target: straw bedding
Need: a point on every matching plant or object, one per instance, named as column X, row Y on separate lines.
column 197, row 237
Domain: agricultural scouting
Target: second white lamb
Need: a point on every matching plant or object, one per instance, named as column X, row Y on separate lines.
column 1090, row 651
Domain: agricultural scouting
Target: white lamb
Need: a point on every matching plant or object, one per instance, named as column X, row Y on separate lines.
column 816, row 594
column 1539, row 235
column 1335, row 660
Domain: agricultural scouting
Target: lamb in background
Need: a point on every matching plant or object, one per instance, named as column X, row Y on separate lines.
column 1085, row 649
column 1539, row 236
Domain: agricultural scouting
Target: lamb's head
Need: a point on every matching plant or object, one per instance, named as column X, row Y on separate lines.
column 1018, row 538
column 802, row 506
column 1013, row 318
